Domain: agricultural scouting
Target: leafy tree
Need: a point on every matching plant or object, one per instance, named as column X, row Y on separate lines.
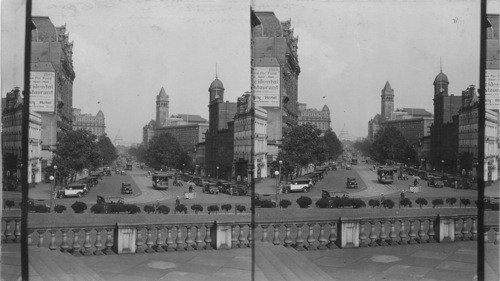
column 357, row 203
column 181, row 208
column 364, row 146
column 59, row 208
column 304, row 201
column 240, row 208
column 390, row 144
column 226, row 207
column 107, row 150
column 333, row 146
column 301, row 146
column 197, row 208
column 76, row 150
column 164, row 149
column 285, row 203
column 212, row 209
column 140, row 152
column 79, row 207
column 149, row 209
column 9, row 204
column 405, row 202
column 437, row 202
column 387, row 203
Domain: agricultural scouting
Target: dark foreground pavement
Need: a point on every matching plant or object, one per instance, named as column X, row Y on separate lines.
column 444, row 261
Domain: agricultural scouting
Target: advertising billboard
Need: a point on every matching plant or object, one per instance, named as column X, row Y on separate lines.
column 267, row 86
column 42, row 91
column 492, row 88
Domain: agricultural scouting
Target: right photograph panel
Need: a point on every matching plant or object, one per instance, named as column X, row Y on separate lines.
column 366, row 151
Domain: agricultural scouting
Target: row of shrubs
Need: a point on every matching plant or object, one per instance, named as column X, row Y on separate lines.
column 343, row 202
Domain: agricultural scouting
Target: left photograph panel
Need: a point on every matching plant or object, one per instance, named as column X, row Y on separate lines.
column 132, row 172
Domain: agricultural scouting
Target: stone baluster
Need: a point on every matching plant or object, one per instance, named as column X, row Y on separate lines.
column 465, row 231
column 159, row 241
column 332, row 239
column 431, row 234
column 373, row 236
column 402, row 233
column 76, row 244
column 392, row 234
column 189, row 240
column 497, row 236
column 241, row 238
column 98, row 243
column 149, row 240
column 276, row 238
column 382, row 236
column 421, row 232
column 288, row 239
column 473, row 229
column 109, row 242
column 412, row 234
column 180, row 245
column 234, row 237
column 486, row 236
column 86, row 244
column 52, row 245
column 64, row 244
column 310, row 238
column 264, row 233
column 299, row 242
column 322, row 239
column 41, row 234
column 30, row 239
column 458, row 234
column 17, row 231
column 138, row 240
column 208, row 238
column 197, row 239
column 362, row 234
column 170, row 240
column 250, row 235
column 9, row 233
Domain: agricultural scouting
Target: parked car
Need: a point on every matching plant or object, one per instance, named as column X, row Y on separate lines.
column 351, row 183
column 126, row 188
column 348, row 167
column 73, row 190
column 260, row 199
column 326, row 194
column 300, row 184
column 211, row 188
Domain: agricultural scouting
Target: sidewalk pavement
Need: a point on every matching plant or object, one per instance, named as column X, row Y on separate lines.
column 443, row 261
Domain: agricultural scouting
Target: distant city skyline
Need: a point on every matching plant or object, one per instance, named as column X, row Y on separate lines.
column 347, row 51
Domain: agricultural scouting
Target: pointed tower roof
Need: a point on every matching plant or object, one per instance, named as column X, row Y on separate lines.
column 162, row 95
column 325, row 108
column 100, row 114
column 387, row 87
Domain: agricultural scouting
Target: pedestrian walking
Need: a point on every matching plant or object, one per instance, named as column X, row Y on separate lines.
column 381, row 199
column 177, row 201
column 231, row 191
column 156, row 206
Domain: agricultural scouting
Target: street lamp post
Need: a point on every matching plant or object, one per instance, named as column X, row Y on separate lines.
column 281, row 163
column 53, row 193
column 217, row 172
column 277, row 185
column 442, row 167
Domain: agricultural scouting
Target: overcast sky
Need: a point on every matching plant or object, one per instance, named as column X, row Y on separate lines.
column 125, row 51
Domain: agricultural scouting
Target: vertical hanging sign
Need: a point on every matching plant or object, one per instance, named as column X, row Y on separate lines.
column 42, row 91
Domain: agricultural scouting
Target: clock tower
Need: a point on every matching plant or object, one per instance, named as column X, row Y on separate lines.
column 387, row 100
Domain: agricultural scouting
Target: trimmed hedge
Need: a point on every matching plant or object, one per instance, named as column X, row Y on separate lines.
column 465, row 202
column 451, row 201
column 9, row 204
column 373, row 203
column 149, row 209
column 162, row 209
column 212, row 209
column 197, row 208
column 304, row 201
column 98, row 209
column 388, row 203
column 226, row 207
column 181, row 208
column 132, row 208
column 79, row 207
column 405, row 202
column 240, row 208
column 322, row 203
column 437, row 202
column 59, row 209
column 357, row 203
column 421, row 202
column 266, row 204
column 285, row 203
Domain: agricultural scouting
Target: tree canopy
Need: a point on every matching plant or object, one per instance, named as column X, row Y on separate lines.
column 390, row 144
column 107, row 150
column 165, row 150
column 76, row 150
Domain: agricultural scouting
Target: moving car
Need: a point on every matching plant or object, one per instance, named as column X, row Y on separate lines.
column 126, row 188
column 351, row 183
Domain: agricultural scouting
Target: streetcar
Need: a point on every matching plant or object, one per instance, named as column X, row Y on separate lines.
column 385, row 174
column 161, row 180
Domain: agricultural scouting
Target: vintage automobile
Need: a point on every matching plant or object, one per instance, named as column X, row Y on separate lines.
column 239, row 189
column 348, row 167
column 325, row 194
column 211, row 188
column 108, row 201
column 126, row 188
column 264, row 201
column 333, row 167
column 491, row 203
column 73, row 190
column 300, row 184
column 351, row 183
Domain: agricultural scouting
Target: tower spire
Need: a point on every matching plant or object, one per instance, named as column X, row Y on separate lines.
column 216, row 71
column 440, row 65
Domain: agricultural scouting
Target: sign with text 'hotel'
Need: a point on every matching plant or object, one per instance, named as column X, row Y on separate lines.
column 42, row 91
column 267, row 86
column 492, row 88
